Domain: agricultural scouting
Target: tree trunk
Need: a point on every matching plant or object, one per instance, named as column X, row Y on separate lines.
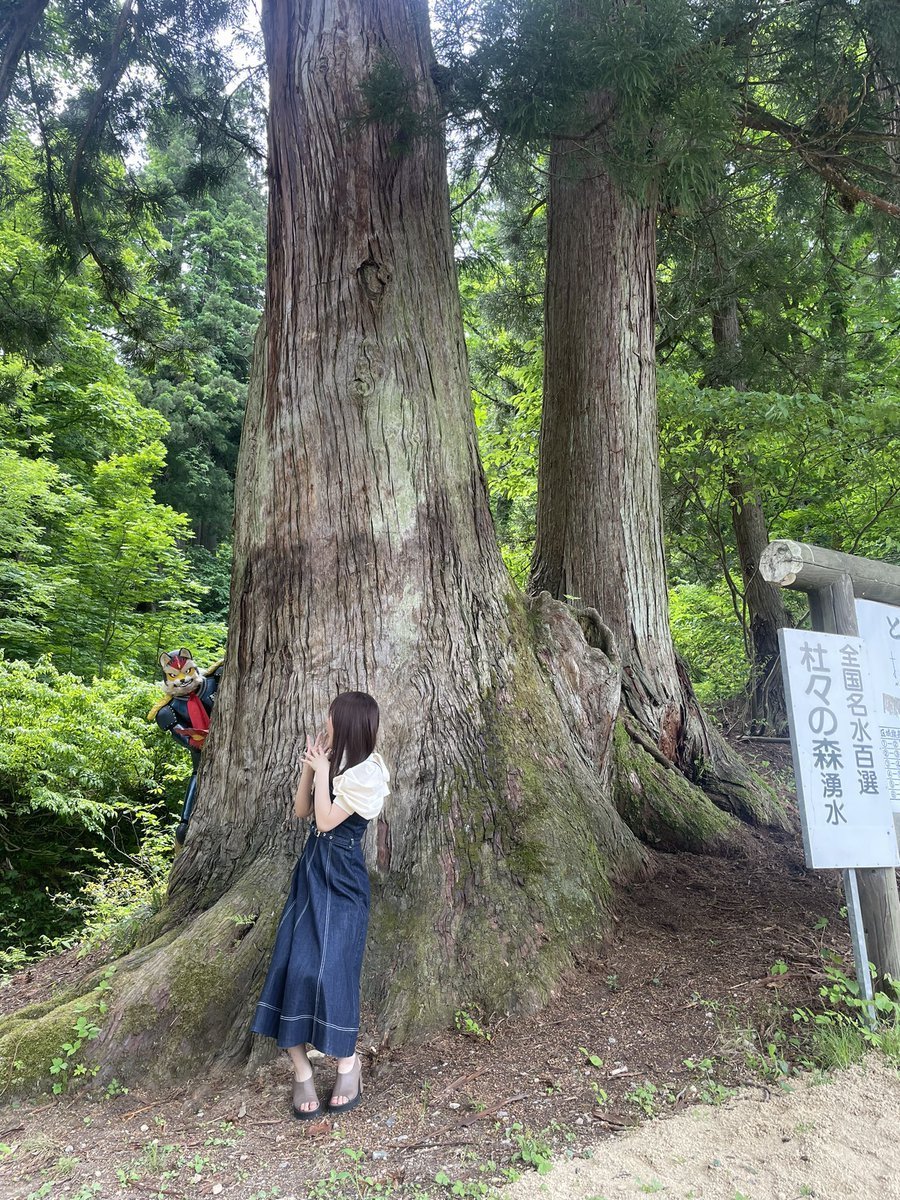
column 365, row 557
column 766, row 708
column 599, row 524
column 766, row 705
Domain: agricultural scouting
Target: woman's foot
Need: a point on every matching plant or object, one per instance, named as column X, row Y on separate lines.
column 347, row 1086
column 305, row 1099
column 307, row 1105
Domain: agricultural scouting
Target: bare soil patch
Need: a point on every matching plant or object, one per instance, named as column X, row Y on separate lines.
column 835, row 1139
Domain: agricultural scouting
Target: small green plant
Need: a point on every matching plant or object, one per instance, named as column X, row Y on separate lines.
column 156, row 1157
column 649, row 1098
column 467, row 1024
column 64, row 1166
column 46, row 1189
column 768, row 1049
column 709, row 1089
column 779, row 967
column 532, row 1149
column 849, row 1025
column 601, row 1096
column 87, row 1191
column 612, row 982
column 229, row 1135
column 85, row 1030
column 466, row 1189
column 351, row 1179
column 593, row 1059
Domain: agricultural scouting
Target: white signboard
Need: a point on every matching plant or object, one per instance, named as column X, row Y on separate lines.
column 845, row 806
column 879, row 628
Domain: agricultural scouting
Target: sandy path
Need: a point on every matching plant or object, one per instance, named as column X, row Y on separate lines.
column 838, row 1140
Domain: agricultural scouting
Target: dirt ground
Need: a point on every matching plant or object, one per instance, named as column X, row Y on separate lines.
column 678, row 1007
column 836, row 1139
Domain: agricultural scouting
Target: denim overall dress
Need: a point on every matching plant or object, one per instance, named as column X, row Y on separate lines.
column 311, row 992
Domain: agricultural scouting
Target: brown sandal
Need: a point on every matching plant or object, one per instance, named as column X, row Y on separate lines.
column 304, row 1091
column 353, row 1077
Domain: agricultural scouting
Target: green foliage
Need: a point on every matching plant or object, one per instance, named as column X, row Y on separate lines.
column 847, row 1025
column 649, row 76
column 90, row 83
column 65, row 1066
column 594, row 1059
column 212, row 265
column 388, row 99
column 92, row 574
column 710, row 1090
column 91, row 566
column 501, row 269
column 468, row 1025
column 650, row 1097
column 126, row 319
column 708, row 635
column 533, row 1149
column 84, row 785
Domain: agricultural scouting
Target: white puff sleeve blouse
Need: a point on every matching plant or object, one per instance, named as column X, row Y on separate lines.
column 362, row 789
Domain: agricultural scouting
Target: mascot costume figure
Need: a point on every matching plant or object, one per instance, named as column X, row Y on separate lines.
column 184, row 712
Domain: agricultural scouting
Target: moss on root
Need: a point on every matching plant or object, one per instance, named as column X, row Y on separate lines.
column 173, row 1007
column 733, row 786
column 663, row 808
column 30, row 1041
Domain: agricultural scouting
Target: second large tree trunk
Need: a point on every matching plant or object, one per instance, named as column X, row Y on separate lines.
column 766, row 708
column 599, row 524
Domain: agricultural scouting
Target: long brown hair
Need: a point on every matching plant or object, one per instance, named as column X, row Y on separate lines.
column 354, row 717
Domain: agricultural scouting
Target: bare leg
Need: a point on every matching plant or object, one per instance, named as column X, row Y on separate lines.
column 302, row 1070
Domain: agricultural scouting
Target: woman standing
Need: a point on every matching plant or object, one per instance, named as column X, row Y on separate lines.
column 311, row 992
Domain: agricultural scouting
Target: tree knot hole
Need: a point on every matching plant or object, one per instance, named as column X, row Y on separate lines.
column 374, row 277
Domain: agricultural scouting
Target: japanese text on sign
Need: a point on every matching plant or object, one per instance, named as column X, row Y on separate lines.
column 845, row 803
column 879, row 628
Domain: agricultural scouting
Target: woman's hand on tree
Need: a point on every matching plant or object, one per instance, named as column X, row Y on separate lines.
column 317, row 753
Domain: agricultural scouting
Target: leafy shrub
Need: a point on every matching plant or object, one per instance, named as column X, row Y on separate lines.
column 86, row 787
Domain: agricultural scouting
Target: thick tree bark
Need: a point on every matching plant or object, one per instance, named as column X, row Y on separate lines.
column 766, row 709
column 599, row 525
column 365, row 557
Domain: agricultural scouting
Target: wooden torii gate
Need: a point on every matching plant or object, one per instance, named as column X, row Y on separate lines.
column 833, row 581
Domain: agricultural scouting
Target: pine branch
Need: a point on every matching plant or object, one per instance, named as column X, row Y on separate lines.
column 754, row 116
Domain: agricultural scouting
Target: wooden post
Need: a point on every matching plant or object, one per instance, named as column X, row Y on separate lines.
column 832, row 581
column 810, row 568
